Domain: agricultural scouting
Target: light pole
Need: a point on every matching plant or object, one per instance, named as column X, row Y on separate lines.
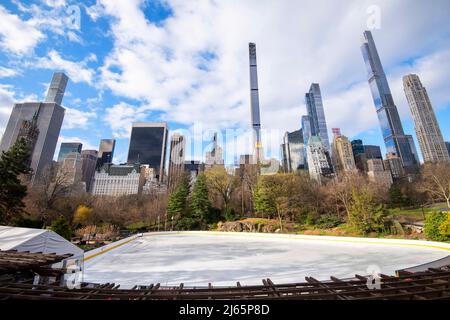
column 158, row 223
column 172, row 223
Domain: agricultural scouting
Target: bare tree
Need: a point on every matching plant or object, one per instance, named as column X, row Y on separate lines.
column 51, row 185
column 436, row 181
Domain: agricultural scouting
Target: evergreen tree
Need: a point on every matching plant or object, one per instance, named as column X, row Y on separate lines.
column 200, row 204
column 13, row 163
column 61, row 226
column 177, row 203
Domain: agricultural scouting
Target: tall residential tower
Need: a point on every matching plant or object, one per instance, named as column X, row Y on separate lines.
column 41, row 122
column 254, row 101
column 427, row 128
column 394, row 137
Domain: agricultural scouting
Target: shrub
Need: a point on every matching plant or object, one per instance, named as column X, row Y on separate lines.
column 444, row 228
column 61, row 227
column 83, row 215
column 365, row 214
column 328, row 221
column 433, row 222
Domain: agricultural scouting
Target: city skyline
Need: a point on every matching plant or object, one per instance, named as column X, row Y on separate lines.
column 281, row 106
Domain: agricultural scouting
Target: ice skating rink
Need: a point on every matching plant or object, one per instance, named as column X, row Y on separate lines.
column 199, row 258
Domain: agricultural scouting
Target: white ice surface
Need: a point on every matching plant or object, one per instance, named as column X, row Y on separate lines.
column 196, row 260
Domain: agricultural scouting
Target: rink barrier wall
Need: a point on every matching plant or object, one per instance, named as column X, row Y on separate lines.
column 98, row 251
column 355, row 240
column 396, row 242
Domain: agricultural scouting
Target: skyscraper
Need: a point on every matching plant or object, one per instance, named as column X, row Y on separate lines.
column 70, row 170
column 293, row 150
column 215, row 155
column 394, row 137
column 428, row 133
column 148, row 146
column 447, row 144
column 376, row 172
column 306, row 128
column 88, row 165
column 372, row 152
column 254, row 103
column 176, row 159
column 342, row 153
column 314, row 106
column 45, row 118
column 57, row 87
column 319, row 161
column 68, row 147
column 105, row 152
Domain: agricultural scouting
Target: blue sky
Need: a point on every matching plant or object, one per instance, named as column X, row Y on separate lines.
column 185, row 62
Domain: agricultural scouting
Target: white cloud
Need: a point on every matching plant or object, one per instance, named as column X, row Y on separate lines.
column 7, row 97
column 77, row 71
column 16, row 35
column 75, row 118
column 7, row 72
column 120, row 117
column 55, row 3
column 313, row 41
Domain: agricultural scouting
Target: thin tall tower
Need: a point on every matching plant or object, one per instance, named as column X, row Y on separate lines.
column 57, row 87
column 391, row 127
column 254, row 101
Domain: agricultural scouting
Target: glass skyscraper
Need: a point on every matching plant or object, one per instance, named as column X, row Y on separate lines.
column 148, row 146
column 105, row 152
column 69, row 147
column 316, row 114
column 306, row 128
column 394, row 137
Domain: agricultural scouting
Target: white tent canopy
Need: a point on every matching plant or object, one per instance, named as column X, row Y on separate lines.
column 36, row 240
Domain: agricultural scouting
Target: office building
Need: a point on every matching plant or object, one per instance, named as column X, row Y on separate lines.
column 393, row 163
column 293, row 151
column 343, row 159
column 88, row 165
column 372, row 152
column 378, row 173
column 193, row 168
column 214, row 157
column 316, row 113
column 69, row 147
column 394, row 137
column 148, row 146
column 269, row 167
column 254, row 103
column 176, row 159
column 105, row 152
column 357, row 147
column 70, row 170
column 41, row 122
column 319, row 161
column 428, row 132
